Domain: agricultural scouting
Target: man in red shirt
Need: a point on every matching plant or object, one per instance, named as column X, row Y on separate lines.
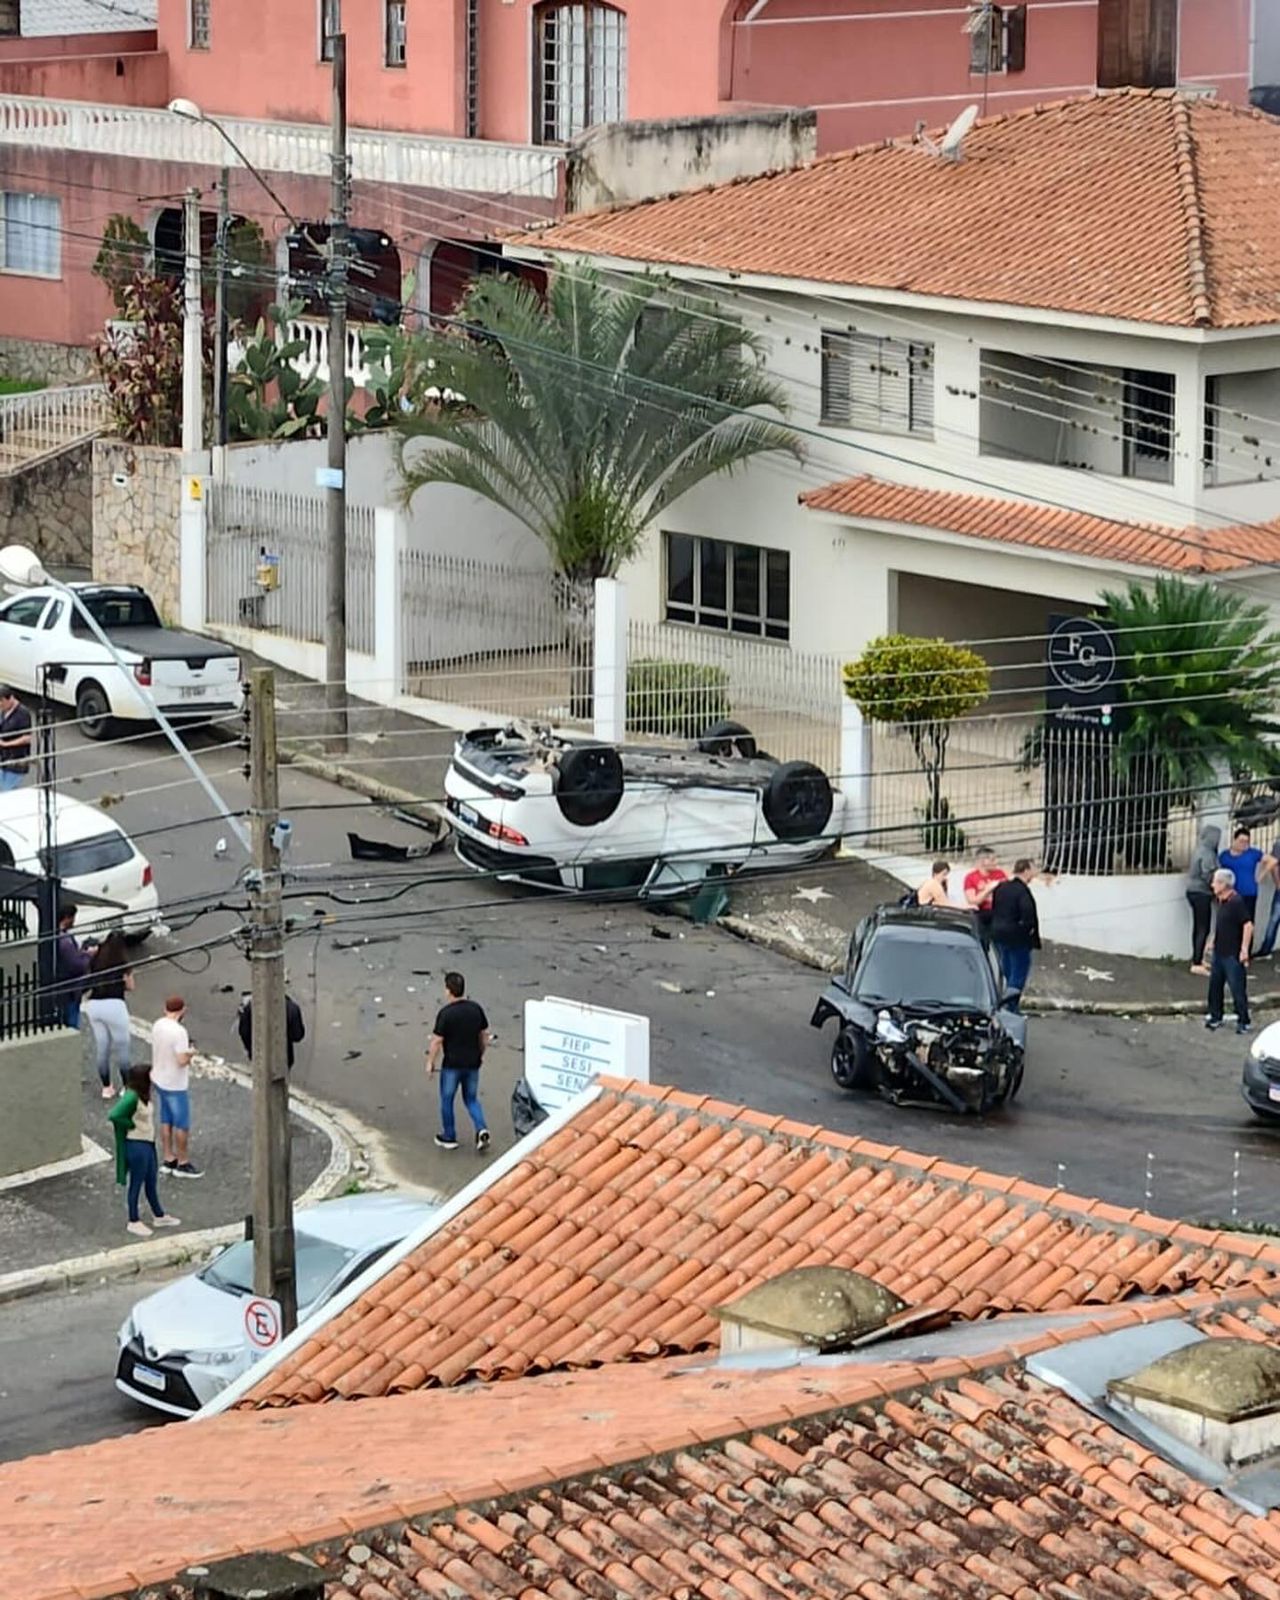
column 979, row 885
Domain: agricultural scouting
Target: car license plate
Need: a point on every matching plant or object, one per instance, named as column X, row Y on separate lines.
column 149, row 1378
column 191, row 692
column 468, row 815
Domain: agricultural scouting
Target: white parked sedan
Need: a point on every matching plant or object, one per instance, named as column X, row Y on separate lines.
column 92, row 856
column 527, row 804
column 180, row 1347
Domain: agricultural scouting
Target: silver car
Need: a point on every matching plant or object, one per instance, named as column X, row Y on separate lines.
column 184, row 1344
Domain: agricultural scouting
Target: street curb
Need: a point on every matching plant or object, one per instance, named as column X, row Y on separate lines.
column 781, row 944
column 350, row 1144
column 335, row 772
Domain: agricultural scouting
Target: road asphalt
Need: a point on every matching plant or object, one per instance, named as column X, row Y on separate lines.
column 1137, row 1111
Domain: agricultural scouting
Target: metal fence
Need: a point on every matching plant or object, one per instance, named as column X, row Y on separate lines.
column 508, row 641
column 680, row 680
column 267, row 564
column 45, row 420
column 1071, row 795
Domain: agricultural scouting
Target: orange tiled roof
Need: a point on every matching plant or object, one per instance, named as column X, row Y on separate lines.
column 858, row 1476
column 1137, row 204
column 615, row 1238
column 1041, row 527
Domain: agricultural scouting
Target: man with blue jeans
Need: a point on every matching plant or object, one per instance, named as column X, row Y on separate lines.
column 1232, row 942
column 15, row 739
column 1015, row 930
column 457, row 1046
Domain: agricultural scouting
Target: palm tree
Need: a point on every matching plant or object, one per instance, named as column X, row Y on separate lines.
column 1202, row 664
column 589, row 413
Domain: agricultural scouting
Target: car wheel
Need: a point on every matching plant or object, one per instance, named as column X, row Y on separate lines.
column 851, row 1065
column 1015, row 1077
column 728, row 739
column 797, row 802
column 93, row 712
column 589, row 784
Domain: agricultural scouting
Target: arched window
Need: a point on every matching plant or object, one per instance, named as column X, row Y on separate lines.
column 581, row 68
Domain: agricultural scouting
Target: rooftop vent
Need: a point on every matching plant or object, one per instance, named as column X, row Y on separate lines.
column 1221, row 1396
column 816, row 1308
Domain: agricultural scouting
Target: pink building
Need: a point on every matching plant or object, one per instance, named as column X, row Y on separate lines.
column 474, row 117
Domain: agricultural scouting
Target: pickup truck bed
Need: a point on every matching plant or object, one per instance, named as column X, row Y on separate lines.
column 164, row 644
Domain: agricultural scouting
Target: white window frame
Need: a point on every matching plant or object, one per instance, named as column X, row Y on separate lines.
column 876, row 383
column 199, row 24
column 329, row 17
column 395, row 34
column 722, row 619
column 584, row 97
column 55, row 242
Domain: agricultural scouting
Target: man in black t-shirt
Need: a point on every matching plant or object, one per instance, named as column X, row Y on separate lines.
column 1232, row 940
column 457, row 1046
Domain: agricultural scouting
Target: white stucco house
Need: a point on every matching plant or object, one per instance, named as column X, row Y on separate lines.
column 1020, row 376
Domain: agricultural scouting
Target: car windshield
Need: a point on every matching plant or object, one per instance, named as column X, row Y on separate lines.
column 87, row 856
column 920, row 966
column 319, row 1262
column 115, row 608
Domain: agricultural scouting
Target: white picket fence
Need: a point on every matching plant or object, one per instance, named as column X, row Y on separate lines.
column 45, row 421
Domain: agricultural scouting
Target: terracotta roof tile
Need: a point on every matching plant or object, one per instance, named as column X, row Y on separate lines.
column 539, row 1273
column 1041, row 527
column 1137, row 204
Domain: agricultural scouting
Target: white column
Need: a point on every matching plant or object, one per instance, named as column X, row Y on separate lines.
column 192, row 321
column 855, row 773
column 192, row 514
column 609, row 674
column 389, row 540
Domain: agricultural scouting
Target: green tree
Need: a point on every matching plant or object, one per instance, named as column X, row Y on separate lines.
column 923, row 685
column 121, row 258
column 1201, row 664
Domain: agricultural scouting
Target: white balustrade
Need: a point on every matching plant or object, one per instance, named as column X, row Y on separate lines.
column 477, row 166
column 35, row 423
column 314, row 359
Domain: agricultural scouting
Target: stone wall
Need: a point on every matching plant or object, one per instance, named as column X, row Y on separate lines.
column 49, row 506
column 43, row 362
column 137, row 492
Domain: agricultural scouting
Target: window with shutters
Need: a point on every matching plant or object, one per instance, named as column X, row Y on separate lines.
column 395, row 34
column 31, row 235
column 198, row 27
column 1137, row 44
column 885, row 385
column 985, row 28
column 734, row 588
column 330, row 26
column 581, row 69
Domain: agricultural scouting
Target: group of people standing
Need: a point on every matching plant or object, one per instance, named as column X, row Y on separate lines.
column 1004, row 907
column 1222, row 891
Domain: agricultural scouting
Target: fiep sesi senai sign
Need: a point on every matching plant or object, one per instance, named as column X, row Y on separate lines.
column 567, row 1045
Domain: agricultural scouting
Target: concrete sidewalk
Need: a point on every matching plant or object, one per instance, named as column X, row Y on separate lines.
column 809, row 916
column 69, row 1226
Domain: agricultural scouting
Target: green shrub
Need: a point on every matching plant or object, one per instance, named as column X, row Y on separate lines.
column 675, row 699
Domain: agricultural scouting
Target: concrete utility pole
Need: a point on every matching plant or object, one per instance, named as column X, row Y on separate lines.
column 221, row 319
column 335, row 637
column 274, row 1266
column 192, row 319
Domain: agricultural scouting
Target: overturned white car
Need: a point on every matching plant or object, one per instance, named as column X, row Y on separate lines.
column 537, row 808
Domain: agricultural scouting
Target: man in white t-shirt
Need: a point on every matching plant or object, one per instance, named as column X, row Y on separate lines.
column 171, row 1055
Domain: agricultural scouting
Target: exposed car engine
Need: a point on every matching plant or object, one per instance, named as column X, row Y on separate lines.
column 962, row 1057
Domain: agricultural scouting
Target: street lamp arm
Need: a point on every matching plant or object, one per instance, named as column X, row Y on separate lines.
column 250, row 168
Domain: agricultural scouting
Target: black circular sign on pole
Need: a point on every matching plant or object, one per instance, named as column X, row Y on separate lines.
column 1081, row 659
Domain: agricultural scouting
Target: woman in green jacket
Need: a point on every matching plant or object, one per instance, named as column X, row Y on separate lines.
column 135, row 1129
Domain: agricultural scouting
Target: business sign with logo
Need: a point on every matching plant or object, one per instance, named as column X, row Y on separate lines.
column 568, row 1045
column 1082, row 666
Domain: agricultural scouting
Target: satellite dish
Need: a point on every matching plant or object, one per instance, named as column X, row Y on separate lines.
column 955, row 134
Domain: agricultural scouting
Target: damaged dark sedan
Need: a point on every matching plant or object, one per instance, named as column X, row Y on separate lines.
column 919, row 1014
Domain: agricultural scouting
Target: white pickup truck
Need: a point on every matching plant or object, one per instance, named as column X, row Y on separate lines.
column 45, row 640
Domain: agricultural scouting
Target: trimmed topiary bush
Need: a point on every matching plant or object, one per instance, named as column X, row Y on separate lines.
column 675, row 699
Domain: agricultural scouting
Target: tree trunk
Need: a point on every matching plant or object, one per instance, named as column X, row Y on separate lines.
column 577, row 596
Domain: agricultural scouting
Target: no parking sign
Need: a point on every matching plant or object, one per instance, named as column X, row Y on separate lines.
column 261, row 1324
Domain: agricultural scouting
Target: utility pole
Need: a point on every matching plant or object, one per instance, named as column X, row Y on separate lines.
column 221, row 318
column 274, row 1267
column 335, row 637
column 192, row 321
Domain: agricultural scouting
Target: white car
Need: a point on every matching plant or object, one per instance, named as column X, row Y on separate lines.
column 180, row 1347
column 92, row 855
column 529, row 805
column 44, row 640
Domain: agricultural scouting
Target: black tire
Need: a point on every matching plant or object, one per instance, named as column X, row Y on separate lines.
column 851, row 1063
column 797, row 802
column 728, row 739
column 589, row 784
column 1015, row 1077
column 93, row 712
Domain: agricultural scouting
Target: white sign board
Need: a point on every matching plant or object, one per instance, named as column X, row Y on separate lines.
column 261, row 1323
column 567, row 1045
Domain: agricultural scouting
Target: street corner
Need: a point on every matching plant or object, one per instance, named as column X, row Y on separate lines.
column 68, row 1226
